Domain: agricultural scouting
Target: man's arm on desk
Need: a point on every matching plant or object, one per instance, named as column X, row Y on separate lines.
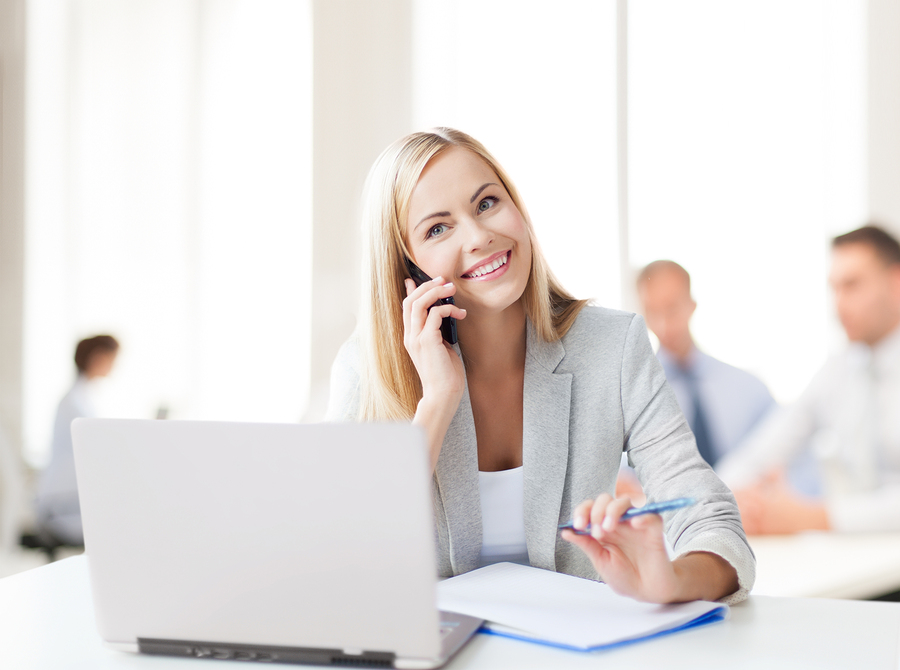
column 755, row 472
column 771, row 507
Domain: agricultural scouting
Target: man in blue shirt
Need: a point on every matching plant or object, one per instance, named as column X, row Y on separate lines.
column 721, row 402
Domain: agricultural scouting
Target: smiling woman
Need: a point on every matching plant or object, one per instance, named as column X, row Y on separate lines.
column 480, row 242
column 529, row 414
column 392, row 387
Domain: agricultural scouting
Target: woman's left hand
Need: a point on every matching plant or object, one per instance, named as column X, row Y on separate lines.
column 631, row 556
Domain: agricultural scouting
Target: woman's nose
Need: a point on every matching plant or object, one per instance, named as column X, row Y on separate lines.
column 478, row 236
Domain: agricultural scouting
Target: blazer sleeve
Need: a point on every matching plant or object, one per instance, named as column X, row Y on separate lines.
column 662, row 450
column 344, row 393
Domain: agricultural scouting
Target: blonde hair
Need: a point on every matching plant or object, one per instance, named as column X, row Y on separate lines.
column 390, row 385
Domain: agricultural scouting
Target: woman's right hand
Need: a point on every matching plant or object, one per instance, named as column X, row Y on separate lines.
column 440, row 368
column 437, row 363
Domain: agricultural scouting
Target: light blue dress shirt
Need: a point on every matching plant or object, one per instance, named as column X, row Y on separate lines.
column 734, row 401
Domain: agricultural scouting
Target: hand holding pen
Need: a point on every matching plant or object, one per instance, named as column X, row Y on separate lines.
column 627, row 548
column 651, row 508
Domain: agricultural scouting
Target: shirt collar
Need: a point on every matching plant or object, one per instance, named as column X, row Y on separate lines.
column 884, row 355
column 696, row 362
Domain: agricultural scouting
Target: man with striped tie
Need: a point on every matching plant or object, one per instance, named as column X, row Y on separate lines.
column 721, row 402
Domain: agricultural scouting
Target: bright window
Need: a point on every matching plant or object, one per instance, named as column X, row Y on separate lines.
column 169, row 204
column 746, row 154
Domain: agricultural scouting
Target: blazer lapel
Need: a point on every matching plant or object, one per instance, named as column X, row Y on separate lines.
column 545, row 445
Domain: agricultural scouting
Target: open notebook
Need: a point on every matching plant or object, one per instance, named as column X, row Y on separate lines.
column 560, row 610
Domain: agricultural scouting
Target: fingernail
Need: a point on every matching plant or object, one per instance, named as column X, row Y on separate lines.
column 608, row 523
column 578, row 522
column 439, row 278
column 449, row 283
column 595, row 532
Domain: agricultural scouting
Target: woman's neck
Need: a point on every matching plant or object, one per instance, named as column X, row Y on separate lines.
column 493, row 343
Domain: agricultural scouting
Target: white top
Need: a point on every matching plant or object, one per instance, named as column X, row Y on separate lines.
column 503, row 516
column 848, row 415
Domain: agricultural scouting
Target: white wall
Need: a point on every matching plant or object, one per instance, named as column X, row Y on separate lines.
column 362, row 93
column 12, row 235
column 12, row 202
column 883, row 112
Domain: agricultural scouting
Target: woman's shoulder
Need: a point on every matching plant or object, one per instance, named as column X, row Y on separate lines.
column 348, row 356
column 343, row 400
column 607, row 337
column 595, row 323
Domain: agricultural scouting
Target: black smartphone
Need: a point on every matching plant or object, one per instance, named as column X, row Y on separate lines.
column 448, row 325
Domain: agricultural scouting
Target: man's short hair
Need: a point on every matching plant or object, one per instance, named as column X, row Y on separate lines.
column 86, row 349
column 657, row 266
column 881, row 242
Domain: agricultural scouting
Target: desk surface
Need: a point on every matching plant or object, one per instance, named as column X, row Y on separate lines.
column 47, row 621
column 827, row 565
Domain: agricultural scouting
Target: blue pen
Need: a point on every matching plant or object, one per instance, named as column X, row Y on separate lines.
column 652, row 508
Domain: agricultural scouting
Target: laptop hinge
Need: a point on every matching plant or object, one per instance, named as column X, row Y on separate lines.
column 266, row 653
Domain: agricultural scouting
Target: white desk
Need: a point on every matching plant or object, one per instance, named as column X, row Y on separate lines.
column 46, row 621
column 827, row 565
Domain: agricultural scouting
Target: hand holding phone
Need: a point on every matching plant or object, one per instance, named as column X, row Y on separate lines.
column 448, row 324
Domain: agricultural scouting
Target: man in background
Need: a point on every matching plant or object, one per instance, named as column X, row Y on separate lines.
column 721, row 402
column 58, row 509
column 848, row 413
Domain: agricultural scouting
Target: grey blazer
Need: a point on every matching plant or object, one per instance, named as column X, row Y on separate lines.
column 588, row 397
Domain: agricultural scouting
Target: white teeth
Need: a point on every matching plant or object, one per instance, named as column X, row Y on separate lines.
column 489, row 267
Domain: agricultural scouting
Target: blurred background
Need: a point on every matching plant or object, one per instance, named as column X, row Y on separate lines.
column 185, row 174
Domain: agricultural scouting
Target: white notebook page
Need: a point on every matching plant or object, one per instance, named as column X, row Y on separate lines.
column 553, row 607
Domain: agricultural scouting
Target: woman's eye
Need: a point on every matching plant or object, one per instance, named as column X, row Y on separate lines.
column 486, row 204
column 436, row 230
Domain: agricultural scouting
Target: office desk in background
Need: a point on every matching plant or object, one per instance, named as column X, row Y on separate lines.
column 47, row 622
column 827, row 565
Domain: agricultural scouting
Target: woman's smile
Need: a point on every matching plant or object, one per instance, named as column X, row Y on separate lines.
column 492, row 268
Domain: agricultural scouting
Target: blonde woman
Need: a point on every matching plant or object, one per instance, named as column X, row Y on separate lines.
column 528, row 415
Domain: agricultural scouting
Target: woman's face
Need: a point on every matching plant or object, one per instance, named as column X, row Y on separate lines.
column 464, row 227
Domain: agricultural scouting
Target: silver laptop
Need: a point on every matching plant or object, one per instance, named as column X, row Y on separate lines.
column 268, row 542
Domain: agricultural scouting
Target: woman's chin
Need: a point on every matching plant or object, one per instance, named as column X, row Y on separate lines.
column 490, row 305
